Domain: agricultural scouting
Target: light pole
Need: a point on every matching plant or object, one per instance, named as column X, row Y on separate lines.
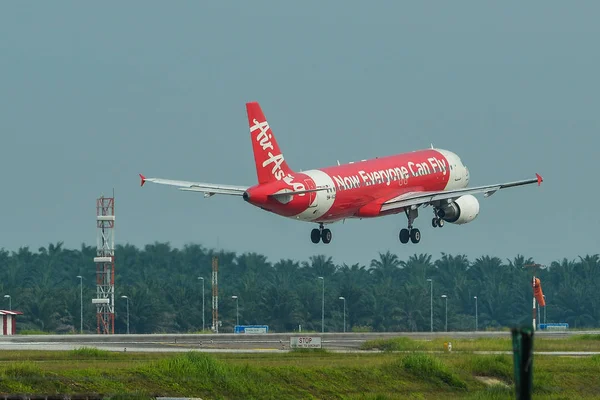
column 323, row 306
column 9, row 301
column 237, row 310
column 431, row 301
column 343, row 298
column 127, row 298
column 475, row 297
column 446, row 297
column 202, row 279
column 80, row 303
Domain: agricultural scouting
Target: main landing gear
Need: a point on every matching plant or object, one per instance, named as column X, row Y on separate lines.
column 410, row 233
column 413, row 234
column 320, row 234
column 437, row 221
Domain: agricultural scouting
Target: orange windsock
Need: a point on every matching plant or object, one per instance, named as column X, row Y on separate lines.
column 537, row 292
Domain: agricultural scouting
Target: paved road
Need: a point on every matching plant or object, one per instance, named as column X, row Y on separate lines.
column 231, row 342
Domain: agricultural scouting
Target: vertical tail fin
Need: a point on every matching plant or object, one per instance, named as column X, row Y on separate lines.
column 270, row 164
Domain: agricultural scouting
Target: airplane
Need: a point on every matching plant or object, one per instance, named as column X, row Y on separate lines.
column 365, row 189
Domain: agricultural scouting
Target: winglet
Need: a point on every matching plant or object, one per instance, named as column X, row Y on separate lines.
column 143, row 178
column 539, row 178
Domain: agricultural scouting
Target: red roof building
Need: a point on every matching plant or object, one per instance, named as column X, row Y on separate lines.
column 9, row 322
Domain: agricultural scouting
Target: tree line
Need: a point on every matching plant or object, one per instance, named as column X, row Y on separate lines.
column 390, row 294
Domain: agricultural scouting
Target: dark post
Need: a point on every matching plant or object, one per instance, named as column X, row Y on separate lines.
column 522, row 340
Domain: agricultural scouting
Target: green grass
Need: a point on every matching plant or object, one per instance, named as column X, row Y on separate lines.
column 90, row 352
column 498, row 366
column 33, row 332
column 300, row 350
column 427, row 368
column 594, row 337
column 573, row 343
column 297, row 374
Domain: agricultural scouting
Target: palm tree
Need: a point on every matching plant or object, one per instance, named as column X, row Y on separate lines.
column 387, row 267
column 320, row 265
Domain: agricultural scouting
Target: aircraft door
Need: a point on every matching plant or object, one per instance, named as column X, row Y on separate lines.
column 455, row 172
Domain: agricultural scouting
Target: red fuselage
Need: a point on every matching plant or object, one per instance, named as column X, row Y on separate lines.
column 357, row 190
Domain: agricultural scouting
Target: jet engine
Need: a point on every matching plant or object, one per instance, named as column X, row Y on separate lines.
column 461, row 211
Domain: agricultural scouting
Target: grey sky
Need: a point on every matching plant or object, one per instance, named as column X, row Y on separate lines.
column 91, row 95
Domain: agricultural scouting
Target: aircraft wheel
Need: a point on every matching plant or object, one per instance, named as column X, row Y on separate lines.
column 326, row 236
column 415, row 236
column 440, row 222
column 315, row 235
column 434, row 222
column 404, row 235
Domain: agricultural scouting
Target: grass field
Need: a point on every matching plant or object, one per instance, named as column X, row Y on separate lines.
column 573, row 343
column 305, row 374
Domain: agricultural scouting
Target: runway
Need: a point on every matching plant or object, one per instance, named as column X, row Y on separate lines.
column 229, row 342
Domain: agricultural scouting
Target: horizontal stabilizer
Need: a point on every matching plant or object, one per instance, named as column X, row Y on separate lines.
column 208, row 189
column 291, row 192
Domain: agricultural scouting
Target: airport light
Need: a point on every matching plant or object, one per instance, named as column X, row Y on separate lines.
column 475, row 297
column 343, row 298
column 446, row 297
column 431, row 302
column 9, row 301
column 80, row 303
column 323, row 306
column 127, row 298
column 202, row 279
column 237, row 310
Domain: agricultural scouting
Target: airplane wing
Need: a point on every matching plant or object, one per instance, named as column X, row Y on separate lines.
column 415, row 199
column 208, row 189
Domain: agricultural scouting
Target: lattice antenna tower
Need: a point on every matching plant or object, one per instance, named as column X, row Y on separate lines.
column 105, row 265
column 215, row 295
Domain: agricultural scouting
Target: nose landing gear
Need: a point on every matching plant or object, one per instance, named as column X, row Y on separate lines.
column 320, row 234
